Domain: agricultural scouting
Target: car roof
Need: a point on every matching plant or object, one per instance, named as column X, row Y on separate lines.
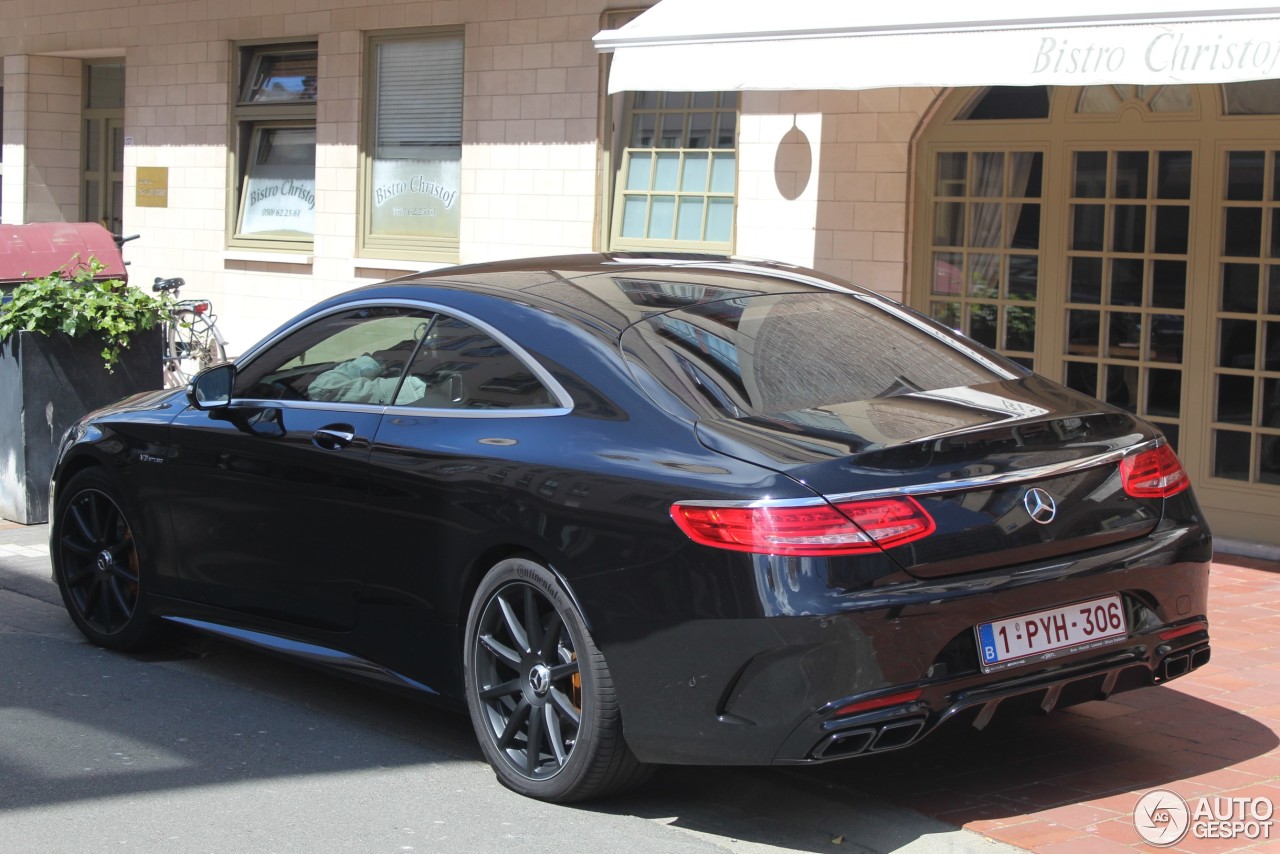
column 617, row 290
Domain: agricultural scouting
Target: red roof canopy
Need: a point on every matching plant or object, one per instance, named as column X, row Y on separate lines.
column 38, row 249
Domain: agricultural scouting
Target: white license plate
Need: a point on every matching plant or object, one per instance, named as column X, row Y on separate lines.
column 1048, row 634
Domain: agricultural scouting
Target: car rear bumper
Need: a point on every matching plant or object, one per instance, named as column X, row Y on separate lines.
column 1136, row 665
column 768, row 690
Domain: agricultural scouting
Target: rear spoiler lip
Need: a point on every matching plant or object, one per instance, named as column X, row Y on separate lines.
column 1004, row 478
column 958, row 485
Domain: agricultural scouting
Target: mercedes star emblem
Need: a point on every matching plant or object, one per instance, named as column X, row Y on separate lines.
column 1040, row 505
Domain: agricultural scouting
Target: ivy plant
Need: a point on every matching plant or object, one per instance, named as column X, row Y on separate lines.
column 76, row 302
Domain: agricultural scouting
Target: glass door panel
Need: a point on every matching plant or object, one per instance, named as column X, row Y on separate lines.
column 1126, row 281
column 1245, row 410
column 986, row 247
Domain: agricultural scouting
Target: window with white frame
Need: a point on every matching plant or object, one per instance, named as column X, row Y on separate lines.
column 412, row 176
column 678, row 174
column 275, row 118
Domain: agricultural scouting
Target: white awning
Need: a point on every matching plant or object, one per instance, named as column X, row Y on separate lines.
column 714, row 45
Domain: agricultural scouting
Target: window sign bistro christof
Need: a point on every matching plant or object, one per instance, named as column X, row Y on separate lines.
column 417, row 197
column 280, row 189
column 280, row 198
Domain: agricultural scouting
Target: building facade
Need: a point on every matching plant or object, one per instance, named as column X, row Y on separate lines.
column 1124, row 239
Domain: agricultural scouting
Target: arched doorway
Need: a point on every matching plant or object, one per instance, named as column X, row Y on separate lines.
column 1124, row 240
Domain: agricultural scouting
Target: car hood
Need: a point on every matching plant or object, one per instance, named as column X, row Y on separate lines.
column 969, row 455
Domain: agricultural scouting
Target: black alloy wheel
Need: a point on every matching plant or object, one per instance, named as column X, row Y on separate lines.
column 539, row 692
column 96, row 564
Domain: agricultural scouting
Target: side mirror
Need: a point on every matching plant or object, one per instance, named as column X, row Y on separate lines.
column 211, row 388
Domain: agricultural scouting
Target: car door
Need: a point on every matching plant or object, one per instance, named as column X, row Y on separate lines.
column 269, row 496
column 475, row 436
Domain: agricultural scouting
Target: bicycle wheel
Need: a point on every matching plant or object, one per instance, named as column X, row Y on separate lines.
column 192, row 343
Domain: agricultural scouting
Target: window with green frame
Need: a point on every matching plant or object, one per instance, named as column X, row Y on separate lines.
column 413, row 144
column 275, row 117
column 678, row 175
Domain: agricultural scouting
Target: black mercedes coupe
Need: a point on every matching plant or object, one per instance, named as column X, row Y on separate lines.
column 631, row 510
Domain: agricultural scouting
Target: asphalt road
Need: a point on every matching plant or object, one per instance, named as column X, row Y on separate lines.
column 207, row 747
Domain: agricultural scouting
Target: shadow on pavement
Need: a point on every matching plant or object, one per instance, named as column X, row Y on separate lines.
column 80, row 722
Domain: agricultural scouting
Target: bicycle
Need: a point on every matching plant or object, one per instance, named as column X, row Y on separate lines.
column 192, row 341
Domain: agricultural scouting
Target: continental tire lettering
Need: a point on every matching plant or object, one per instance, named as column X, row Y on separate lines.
column 533, row 575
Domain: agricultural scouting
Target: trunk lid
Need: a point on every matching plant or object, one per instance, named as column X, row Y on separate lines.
column 1011, row 472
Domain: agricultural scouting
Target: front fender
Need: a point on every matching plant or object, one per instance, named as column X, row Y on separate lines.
column 129, row 440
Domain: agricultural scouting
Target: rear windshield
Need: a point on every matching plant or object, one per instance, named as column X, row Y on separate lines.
column 768, row 355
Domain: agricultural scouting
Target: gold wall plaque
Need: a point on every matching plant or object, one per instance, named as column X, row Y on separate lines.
column 153, row 187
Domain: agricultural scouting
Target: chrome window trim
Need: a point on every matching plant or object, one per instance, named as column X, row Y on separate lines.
column 318, row 405
column 946, row 486
column 562, row 397
column 541, row 412
column 420, row 411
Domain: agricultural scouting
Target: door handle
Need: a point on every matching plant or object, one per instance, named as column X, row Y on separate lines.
column 334, row 438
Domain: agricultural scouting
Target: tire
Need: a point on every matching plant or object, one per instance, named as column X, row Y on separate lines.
column 534, row 676
column 191, row 344
column 96, row 564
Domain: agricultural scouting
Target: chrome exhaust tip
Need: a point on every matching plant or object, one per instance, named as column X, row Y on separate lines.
column 871, row 739
column 1176, row 665
column 895, row 735
column 847, row 743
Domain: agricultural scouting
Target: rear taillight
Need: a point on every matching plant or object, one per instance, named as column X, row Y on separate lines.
column 1156, row 473
column 878, row 703
column 1181, row 631
column 813, row 530
column 200, row 307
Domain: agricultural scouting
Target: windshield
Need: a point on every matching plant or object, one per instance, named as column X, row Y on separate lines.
column 773, row 354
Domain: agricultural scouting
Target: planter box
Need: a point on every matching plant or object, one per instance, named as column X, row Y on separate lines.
column 46, row 383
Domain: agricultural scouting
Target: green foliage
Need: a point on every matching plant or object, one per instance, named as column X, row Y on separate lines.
column 74, row 302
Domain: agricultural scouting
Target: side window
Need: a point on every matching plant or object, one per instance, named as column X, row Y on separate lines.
column 275, row 124
column 356, row 356
column 461, row 367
